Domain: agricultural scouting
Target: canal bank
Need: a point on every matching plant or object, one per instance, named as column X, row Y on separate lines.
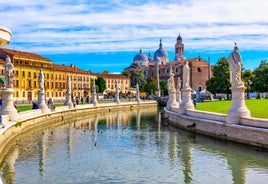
column 250, row 131
column 35, row 119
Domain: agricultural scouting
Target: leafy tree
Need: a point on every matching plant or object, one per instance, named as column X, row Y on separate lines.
column 136, row 77
column 247, row 77
column 260, row 79
column 164, row 86
column 101, row 83
column 150, row 85
column 220, row 81
column 105, row 72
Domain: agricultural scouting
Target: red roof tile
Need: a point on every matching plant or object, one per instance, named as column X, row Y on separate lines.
column 21, row 54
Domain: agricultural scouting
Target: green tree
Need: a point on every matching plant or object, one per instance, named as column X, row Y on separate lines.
column 220, row 81
column 247, row 77
column 164, row 86
column 260, row 80
column 101, row 83
column 136, row 77
column 105, row 72
column 150, row 85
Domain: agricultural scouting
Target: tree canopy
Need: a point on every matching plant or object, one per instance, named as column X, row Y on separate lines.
column 101, row 83
column 150, row 85
column 260, row 78
column 220, row 81
column 136, row 77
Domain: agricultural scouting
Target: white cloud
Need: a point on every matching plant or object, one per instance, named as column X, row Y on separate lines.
column 61, row 26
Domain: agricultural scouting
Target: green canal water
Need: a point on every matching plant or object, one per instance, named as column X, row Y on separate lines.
column 129, row 147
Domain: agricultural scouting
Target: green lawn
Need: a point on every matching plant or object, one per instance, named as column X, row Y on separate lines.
column 258, row 107
column 29, row 107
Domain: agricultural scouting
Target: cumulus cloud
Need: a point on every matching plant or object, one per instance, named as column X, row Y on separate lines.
column 62, row 26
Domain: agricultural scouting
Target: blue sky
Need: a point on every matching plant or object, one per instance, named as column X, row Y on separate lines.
column 100, row 35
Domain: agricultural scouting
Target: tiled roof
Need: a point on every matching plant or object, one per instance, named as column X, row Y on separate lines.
column 72, row 69
column 114, row 76
column 21, row 54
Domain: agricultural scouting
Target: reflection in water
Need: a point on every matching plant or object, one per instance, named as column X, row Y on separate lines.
column 129, row 147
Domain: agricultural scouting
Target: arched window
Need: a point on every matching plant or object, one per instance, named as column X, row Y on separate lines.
column 199, row 69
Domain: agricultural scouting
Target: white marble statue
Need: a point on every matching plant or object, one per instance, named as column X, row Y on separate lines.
column 41, row 80
column 8, row 71
column 93, row 87
column 138, row 93
column 69, row 85
column 235, row 64
column 171, row 83
column 117, row 87
column 137, row 89
column 186, row 75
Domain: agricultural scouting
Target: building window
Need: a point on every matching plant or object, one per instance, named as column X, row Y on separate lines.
column 23, row 73
column 23, row 94
column 167, row 71
column 199, row 69
column 176, row 70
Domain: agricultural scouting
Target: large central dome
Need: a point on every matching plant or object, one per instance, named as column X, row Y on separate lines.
column 161, row 53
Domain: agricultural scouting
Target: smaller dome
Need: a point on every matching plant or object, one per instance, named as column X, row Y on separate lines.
column 140, row 57
column 150, row 58
column 179, row 37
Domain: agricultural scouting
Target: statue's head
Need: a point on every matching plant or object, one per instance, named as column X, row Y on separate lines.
column 235, row 47
column 8, row 59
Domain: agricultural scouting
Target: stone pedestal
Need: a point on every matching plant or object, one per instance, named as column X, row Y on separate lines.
column 238, row 108
column 178, row 96
column 94, row 100
column 117, row 100
column 187, row 103
column 41, row 101
column 138, row 99
column 8, row 104
column 172, row 102
column 68, row 101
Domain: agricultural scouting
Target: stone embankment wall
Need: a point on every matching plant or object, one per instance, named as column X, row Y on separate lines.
column 250, row 131
column 35, row 119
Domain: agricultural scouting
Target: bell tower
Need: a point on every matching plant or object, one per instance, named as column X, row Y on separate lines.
column 179, row 47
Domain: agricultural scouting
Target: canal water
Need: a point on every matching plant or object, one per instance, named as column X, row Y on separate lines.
column 129, row 147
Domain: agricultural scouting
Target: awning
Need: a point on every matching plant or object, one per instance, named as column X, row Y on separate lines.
column 3, row 80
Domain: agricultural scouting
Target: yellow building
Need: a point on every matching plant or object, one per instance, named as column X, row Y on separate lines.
column 26, row 71
column 111, row 79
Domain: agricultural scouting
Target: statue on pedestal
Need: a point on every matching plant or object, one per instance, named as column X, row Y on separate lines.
column 171, row 83
column 69, row 85
column 8, row 71
column 41, row 80
column 138, row 93
column 235, row 64
column 186, row 75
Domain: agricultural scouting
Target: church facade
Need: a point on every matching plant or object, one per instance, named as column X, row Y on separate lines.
column 200, row 69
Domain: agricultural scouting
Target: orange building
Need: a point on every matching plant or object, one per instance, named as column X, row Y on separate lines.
column 26, row 71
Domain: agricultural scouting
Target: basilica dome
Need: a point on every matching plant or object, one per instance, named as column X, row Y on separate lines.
column 150, row 58
column 140, row 59
column 161, row 53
